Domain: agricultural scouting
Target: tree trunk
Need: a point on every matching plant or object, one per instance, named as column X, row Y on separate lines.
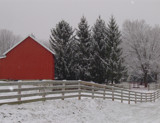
column 145, row 79
column 156, row 77
column 112, row 78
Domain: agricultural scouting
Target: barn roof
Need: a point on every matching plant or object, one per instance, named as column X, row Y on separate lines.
column 4, row 54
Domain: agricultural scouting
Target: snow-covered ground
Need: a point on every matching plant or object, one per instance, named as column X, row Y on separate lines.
column 85, row 110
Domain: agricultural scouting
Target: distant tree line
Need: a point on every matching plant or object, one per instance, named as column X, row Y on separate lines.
column 7, row 40
column 88, row 53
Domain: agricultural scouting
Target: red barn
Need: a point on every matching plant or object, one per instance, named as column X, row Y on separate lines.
column 27, row 60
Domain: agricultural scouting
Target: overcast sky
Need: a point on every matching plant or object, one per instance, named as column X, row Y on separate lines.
column 24, row 17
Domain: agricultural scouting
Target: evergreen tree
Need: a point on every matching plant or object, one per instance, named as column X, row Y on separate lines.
column 83, row 53
column 99, row 52
column 115, row 60
column 61, row 40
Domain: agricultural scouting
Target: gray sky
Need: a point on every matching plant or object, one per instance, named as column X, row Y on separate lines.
column 24, row 17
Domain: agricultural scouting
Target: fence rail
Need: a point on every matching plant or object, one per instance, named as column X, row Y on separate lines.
column 30, row 91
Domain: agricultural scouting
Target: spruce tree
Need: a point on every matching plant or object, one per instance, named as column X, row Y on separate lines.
column 83, row 53
column 61, row 41
column 99, row 52
column 115, row 60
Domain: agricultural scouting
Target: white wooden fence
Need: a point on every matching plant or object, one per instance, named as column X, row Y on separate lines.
column 153, row 86
column 31, row 91
column 130, row 85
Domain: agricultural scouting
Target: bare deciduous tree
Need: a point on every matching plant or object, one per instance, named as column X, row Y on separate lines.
column 141, row 48
column 7, row 40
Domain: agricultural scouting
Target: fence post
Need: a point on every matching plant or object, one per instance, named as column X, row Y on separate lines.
column 150, row 97
column 146, row 96
column 63, row 89
column 19, row 91
column 154, row 96
column 43, row 96
column 104, row 94
column 112, row 93
column 141, row 97
column 92, row 91
column 135, row 97
column 79, row 90
column 122, row 96
column 129, row 98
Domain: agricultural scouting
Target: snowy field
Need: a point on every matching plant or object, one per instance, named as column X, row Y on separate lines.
column 85, row 110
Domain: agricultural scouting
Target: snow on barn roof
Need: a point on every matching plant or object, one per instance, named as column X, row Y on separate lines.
column 2, row 57
column 4, row 54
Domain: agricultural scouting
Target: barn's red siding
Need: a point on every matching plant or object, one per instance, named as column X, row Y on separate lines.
column 27, row 61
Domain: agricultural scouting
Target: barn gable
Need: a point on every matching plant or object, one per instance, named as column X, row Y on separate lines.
column 4, row 54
